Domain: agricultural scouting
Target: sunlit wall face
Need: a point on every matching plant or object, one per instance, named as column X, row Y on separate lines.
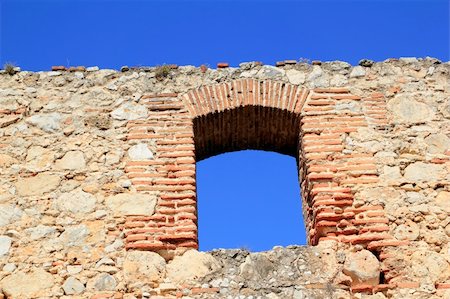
column 249, row 199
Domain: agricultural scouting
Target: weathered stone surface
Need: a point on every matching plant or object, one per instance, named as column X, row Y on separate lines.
column 9, row 213
column 72, row 160
column 357, row 71
column 130, row 111
column 191, row 266
column 40, row 231
column 437, row 143
column 76, row 201
column 420, row 171
column 443, row 200
column 140, row 151
column 407, row 231
column 47, row 122
column 408, row 110
column 6, row 160
column 132, row 204
column 73, row 286
column 27, row 285
column 363, row 268
column 426, row 266
column 74, row 235
column 41, row 183
column 39, row 158
column 143, row 266
column 105, row 282
column 295, row 77
column 5, row 245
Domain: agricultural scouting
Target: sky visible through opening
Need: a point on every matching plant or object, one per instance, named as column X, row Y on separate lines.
column 249, row 199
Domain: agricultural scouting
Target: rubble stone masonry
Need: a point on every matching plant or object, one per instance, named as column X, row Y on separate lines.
column 98, row 190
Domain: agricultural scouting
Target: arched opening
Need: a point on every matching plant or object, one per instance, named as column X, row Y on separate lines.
column 228, row 185
column 249, row 199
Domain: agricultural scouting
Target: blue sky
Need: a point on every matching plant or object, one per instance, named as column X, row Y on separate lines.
column 259, row 190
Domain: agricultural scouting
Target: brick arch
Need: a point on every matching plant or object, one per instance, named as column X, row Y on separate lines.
column 246, row 114
column 268, row 115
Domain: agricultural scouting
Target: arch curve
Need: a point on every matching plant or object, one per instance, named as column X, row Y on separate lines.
column 246, row 114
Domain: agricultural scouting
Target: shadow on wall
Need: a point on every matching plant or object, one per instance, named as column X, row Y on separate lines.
column 249, row 199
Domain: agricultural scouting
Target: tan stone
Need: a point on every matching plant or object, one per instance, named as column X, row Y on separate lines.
column 443, row 200
column 39, row 158
column 6, row 161
column 27, row 285
column 363, row 267
column 408, row 110
column 132, row 204
column 190, row 266
column 72, row 160
column 407, row 231
column 143, row 266
column 437, row 143
column 428, row 266
column 41, row 183
column 426, row 172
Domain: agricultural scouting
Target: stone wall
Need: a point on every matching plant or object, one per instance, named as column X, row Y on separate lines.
column 97, row 188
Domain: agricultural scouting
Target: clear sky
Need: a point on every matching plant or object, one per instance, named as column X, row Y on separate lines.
column 246, row 199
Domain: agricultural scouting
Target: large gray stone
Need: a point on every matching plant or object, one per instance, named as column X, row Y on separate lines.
column 437, row 143
column 190, row 266
column 130, row 111
column 144, row 266
column 46, row 122
column 270, row 72
column 35, row 284
column 408, row 110
column 423, row 172
column 72, row 160
column 74, row 235
column 5, row 245
column 40, row 231
column 41, row 183
column 76, row 201
column 9, row 213
column 362, row 267
column 132, row 204
column 140, row 151
column 105, row 282
column 73, row 286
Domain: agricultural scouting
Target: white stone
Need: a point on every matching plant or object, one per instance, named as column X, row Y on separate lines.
column 39, row 158
column 295, row 77
column 130, row 111
column 9, row 213
column 132, row 204
column 35, row 284
column 423, row 172
column 191, row 266
column 391, row 175
column 40, row 231
column 9, row 267
column 408, row 110
column 41, row 183
column 357, row 71
column 76, row 201
column 74, row 235
column 407, row 231
column 5, row 245
column 47, row 122
column 92, row 69
column 140, row 151
column 362, row 267
column 74, row 269
column 144, row 266
column 73, row 286
column 72, row 160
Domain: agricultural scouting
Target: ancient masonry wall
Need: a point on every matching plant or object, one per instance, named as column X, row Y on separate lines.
column 98, row 191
